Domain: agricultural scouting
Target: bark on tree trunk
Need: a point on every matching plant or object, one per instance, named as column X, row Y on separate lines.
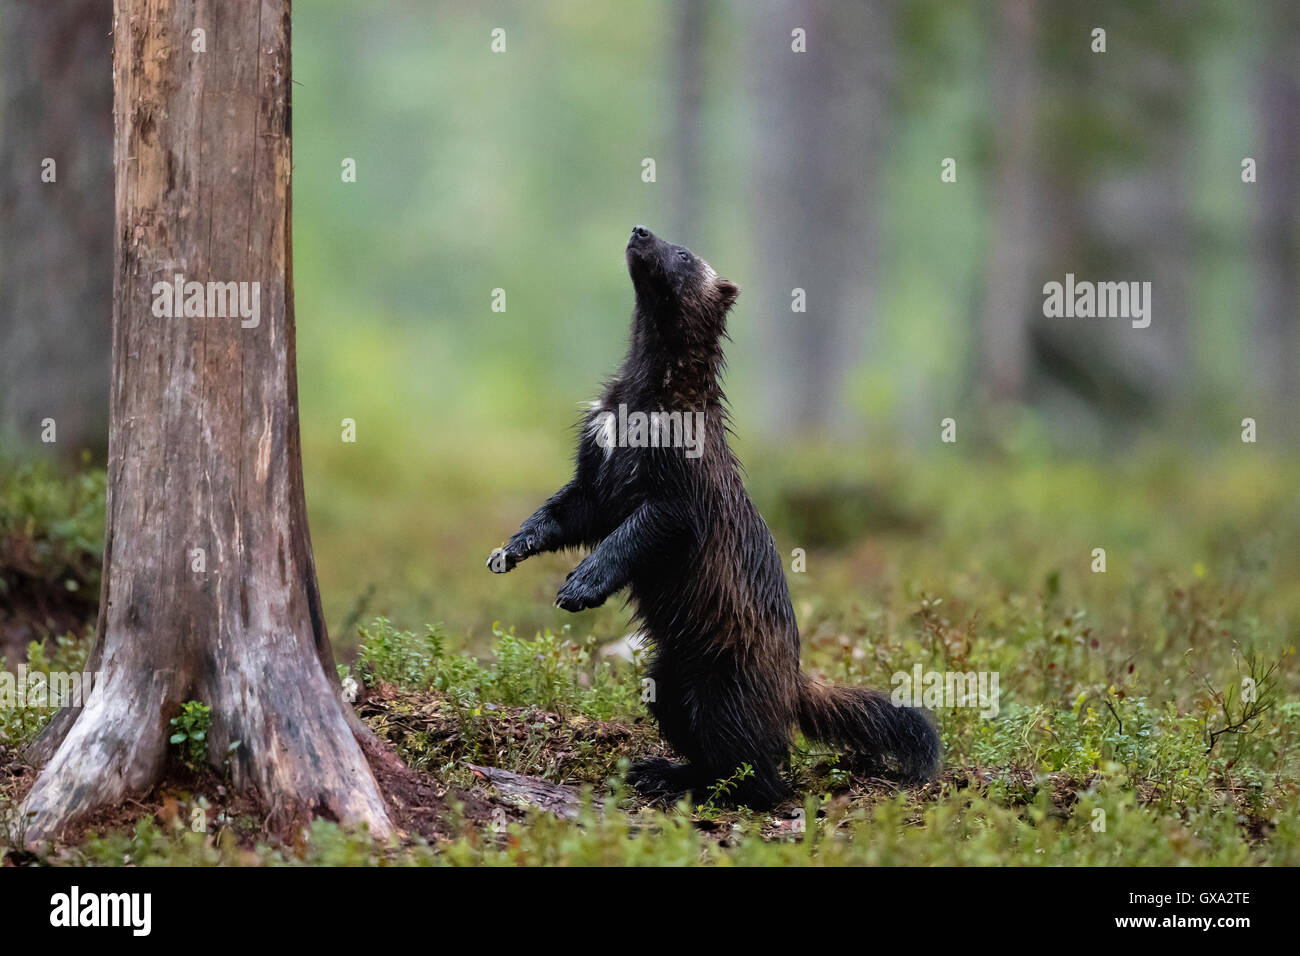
column 203, row 448
column 56, row 237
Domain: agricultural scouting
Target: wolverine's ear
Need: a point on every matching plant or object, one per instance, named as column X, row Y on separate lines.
column 727, row 293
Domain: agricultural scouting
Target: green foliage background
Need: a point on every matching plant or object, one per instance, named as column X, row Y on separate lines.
column 522, row 171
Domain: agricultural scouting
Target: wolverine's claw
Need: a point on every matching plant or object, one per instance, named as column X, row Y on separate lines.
column 500, row 561
column 578, row 594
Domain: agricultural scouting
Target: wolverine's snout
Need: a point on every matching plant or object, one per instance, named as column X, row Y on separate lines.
column 642, row 250
column 643, row 242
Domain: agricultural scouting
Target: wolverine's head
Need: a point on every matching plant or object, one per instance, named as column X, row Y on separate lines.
column 677, row 290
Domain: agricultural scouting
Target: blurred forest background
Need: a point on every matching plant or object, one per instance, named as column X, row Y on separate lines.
column 522, row 170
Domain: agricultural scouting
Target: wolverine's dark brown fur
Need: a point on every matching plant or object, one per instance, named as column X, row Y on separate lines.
column 704, row 573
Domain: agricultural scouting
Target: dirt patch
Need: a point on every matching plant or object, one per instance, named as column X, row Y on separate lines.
column 419, row 804
column 432, row 732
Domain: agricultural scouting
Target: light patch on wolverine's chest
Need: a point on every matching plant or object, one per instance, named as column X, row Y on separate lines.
column 601, row 427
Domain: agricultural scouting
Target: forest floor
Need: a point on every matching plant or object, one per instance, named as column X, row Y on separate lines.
column 1147, row 714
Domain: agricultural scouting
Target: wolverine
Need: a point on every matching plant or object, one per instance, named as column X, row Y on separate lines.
column 671, row 521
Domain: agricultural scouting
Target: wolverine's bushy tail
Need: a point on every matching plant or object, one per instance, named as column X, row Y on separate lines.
column 877, row 734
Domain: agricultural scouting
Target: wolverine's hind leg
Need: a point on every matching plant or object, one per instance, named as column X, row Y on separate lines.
column 739, row 757
column 761, row 787
column 656, row 778
column 668, row 781
column 720, row 734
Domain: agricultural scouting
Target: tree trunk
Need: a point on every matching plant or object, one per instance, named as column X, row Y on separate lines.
column 1277, row 224
column 56, row 237
column 688, row 77
column 203, row 447
column 1012, row 295
column 821, row 122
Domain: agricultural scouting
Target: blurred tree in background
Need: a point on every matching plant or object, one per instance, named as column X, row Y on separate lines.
column 1277, row 222
column 56, row 221
column 821, row 127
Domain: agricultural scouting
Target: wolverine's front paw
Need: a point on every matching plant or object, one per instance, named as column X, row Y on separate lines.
column 502, row 560
column 532, row 538
column 581, row 591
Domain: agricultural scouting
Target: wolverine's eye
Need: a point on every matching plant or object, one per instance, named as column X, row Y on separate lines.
column 684, row 256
